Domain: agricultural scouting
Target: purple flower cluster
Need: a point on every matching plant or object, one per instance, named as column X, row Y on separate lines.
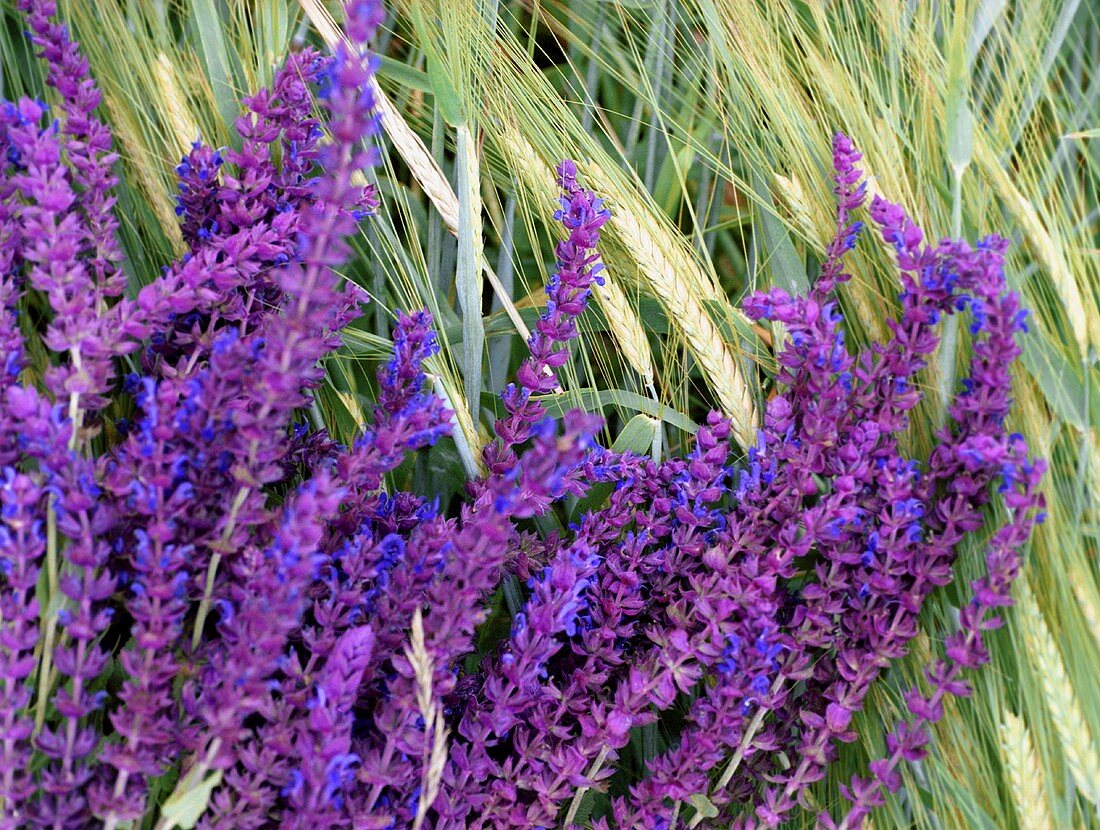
column 207, row 603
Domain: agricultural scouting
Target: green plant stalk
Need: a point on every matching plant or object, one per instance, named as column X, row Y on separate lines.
column 53, row 593
column 949, row 347
column 578, row 797
column 212, row 568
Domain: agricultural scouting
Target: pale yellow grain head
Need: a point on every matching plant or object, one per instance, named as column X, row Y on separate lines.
column 1025, row 775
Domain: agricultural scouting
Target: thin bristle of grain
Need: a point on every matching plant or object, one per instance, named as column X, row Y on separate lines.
column 1069, row 721
column 1025, row 775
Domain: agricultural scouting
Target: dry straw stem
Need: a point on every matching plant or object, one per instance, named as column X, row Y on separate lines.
column 417, row 157
column 1070, row 724
column 621, row 316
column 1025, row 775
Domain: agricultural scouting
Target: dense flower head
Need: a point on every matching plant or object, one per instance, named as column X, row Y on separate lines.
column 211, row 603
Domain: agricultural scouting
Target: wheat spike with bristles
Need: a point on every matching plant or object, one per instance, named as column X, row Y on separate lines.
column 417, row 157
column 405, row 141
column 793, row 197
column 1089, row 609
column 144, row 168
column 176, row 110
column 1070, row 725
column 1024, row 774
column 435, row 732
column 621, row 316
column 675, row 292
column 1084, row 327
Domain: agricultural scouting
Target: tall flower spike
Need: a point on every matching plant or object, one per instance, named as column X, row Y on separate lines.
column 23, row 540
column 285, row 354
column 583, row 214
column 850, row 192
column 88, row 143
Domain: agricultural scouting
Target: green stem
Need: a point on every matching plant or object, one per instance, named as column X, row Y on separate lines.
column 575, row 804
column 49, row 618
column 949, row 347
column 212, row 568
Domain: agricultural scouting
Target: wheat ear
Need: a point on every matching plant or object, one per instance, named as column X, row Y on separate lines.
column 1070, row 725
column 1085, row 327
column 1025, row 775
column 621, row 316
column 673, row 288
column 416, row 157
column 435, row 732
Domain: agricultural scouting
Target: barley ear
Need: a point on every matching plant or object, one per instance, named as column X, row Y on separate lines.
column 176, row 109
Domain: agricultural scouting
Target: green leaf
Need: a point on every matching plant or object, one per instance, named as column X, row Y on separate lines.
column 703, row 806
column 215, row 56
column 407, row 76
column 637, row 435
column 446, row 96
column 594, row 400
column 984, row 19
column 190, row 799
column 468, row 280
column 778, row 256
column 1062, row 382
column 440, row 79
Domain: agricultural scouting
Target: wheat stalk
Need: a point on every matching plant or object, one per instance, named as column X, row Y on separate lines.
column 1073, row 730
column 1025, row 775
